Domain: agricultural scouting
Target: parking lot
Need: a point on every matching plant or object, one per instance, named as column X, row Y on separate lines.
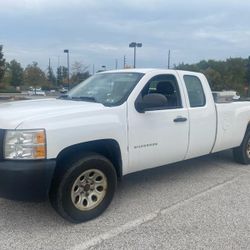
column 198, row 204
column 23, row 96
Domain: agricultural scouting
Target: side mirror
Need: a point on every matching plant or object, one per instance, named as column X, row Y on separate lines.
column 150, row 102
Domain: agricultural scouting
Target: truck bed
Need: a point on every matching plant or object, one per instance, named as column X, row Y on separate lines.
column 232, row 120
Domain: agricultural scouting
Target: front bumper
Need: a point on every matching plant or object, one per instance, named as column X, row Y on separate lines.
column 26, row 180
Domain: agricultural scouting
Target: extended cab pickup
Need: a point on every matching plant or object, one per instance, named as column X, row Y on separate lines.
column 74, row 148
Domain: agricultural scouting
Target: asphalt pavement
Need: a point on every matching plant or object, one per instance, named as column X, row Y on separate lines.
column 202, row 203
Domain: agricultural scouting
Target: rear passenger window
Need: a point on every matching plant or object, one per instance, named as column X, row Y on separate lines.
column 195, row 91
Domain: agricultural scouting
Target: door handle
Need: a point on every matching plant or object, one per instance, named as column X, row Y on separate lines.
column 180, row 119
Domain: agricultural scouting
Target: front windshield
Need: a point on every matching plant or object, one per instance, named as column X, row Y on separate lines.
column 110, row 89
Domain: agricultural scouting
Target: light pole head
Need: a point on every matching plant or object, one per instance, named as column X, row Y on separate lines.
column 66, row 51
column 132, row 45
column 135, row 45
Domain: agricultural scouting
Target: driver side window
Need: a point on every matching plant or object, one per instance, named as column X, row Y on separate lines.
column 166, row 85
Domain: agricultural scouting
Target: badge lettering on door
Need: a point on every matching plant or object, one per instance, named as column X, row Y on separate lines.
column 146, row 145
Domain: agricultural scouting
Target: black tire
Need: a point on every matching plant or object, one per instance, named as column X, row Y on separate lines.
column 60, row 193
column 240, row 153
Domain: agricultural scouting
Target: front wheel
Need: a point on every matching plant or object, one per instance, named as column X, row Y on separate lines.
column 85, row 190
column 242, row 153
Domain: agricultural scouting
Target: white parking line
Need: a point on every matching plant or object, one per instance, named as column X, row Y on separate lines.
column 116, row 231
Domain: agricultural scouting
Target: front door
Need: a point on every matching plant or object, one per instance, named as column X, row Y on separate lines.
column 159, row 136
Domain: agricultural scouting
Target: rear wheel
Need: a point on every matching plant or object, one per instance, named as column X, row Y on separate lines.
column 85, row 189
column 242, row 153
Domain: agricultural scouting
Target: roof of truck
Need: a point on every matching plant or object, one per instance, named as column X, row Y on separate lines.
column 144, row 70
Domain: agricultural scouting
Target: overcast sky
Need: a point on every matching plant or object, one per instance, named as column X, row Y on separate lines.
column 99, row 31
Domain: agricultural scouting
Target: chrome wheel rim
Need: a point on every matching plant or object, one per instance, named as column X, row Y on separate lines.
column 248, row 148
column 89, row 189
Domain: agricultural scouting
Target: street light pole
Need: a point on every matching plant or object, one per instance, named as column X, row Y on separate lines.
column 124, row 62
column 67, row 51
column 169, row 59
column 135, row 45
column 134, row 57
column 116, row 64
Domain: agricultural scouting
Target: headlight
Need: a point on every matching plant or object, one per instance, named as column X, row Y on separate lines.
column 25, row 144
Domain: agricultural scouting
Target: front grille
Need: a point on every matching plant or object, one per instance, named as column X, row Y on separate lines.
column 1, row 143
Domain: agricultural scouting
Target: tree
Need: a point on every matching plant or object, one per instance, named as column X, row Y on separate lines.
column 61, row 75
column 15, row 72
column 34, row 76
column 231, row 74
column 64, row 73
column 2, row 63
column 247, row 78
column 78, row 67
column 214, row 79
column 80, row 72
column 51, row 76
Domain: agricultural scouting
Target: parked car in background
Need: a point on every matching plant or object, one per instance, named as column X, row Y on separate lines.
column 36, row 91
column 226, row 95
column 63, row 90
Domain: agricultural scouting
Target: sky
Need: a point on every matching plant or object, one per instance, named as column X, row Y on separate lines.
column 98, row 32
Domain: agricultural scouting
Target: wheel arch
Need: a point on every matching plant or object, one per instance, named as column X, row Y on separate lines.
column 109, row 148
column 247, row 129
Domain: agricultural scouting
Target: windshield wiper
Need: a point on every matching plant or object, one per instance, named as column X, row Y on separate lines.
column 78, row 98
column 84, row 98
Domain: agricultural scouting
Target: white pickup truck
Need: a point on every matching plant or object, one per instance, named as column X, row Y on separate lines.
column 74, row 148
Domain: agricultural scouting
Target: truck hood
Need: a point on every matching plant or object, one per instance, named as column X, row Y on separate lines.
column 12, row 114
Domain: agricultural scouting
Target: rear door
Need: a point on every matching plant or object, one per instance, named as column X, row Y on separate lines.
column 202, row 114
column 159, row 136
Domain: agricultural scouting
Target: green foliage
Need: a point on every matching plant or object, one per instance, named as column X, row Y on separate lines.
column 34, row 76
column 248, row 72
column 64, row 72
column 232, row 74
column 14, row 75
column 59, row 75
column 6, row 79
column 15, row 72
column 9, row 89
column 2, row 63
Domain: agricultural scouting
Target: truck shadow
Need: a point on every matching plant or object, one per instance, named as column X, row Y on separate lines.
column 179, row 169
